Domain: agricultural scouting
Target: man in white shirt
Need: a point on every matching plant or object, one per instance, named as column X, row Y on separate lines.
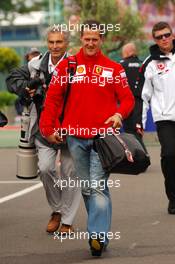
column 157, row 81
column 64, row 201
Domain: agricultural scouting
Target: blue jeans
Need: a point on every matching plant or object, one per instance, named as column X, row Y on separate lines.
column 93, row 181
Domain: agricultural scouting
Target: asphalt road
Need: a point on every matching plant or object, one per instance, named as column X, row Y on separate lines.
column 147, row 233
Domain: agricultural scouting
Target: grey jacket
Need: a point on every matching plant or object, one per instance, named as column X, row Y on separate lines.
column 19, row 79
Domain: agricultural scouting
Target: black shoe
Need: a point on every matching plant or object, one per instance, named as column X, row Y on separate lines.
column 171, row 207
column 96, row 246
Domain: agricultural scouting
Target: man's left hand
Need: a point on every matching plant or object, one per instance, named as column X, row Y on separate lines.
column 54, row 139
column 116, row 120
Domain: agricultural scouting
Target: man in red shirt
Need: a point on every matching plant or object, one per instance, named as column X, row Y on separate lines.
column 98, row 84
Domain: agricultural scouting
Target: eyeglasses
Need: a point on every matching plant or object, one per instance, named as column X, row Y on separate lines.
column 166, row 35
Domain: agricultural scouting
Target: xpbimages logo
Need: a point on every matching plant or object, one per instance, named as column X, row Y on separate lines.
column 93, row 184
column 82, row 131
column 103, row 28
column 104, row 77
column 76, row 235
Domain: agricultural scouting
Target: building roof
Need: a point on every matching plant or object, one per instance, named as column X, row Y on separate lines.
column 32, row 18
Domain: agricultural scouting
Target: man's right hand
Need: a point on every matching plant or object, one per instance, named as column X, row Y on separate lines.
column 34, row 83
column 139, row 130
column 30, row 92
column 54, row 139
column 32, row 86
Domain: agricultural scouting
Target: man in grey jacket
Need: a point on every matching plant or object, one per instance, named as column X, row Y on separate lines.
column 30, row 82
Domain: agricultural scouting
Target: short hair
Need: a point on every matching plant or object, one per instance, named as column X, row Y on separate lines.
column 129, row 50
column 31, row 51
column 58, row 29
column 159, row 26
column 93, row 25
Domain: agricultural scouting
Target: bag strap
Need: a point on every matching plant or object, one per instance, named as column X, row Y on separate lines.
column 127, row 151
column 72, row 66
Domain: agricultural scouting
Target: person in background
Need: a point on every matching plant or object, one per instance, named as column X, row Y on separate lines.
column 157, row 80
column 131, row 63
column 30, row 54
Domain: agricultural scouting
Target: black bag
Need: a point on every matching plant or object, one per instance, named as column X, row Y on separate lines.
column 121, row 154
column 3, row 119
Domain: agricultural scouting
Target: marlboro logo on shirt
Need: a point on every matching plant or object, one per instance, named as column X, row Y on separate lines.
column 123, row 74
column 124, row 80
column 107, row 72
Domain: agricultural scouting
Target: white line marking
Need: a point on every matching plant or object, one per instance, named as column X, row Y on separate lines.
column 20, row 193
column 156, row 223
column 23, row 181
column 133, row 245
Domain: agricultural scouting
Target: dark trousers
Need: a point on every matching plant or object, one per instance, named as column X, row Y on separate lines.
column 166, row 135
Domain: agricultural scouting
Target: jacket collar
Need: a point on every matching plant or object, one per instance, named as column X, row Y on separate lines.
column 45, row 60
column 87, row 58
column 131, row 57
column 157, row 54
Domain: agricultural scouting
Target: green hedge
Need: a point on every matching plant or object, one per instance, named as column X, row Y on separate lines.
column 9, row 59
column 6, row 99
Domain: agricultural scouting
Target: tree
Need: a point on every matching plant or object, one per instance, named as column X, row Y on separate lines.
column 160, row 3
column 54, row 10
column 8, row 59
column 127, row 24
column 10, row 8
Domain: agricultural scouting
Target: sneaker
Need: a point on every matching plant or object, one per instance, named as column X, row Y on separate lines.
column 66, row 229
column 171, row 207
column 96, row 247
column 54, row 222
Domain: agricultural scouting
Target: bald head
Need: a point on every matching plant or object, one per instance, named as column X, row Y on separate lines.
column 129, row 50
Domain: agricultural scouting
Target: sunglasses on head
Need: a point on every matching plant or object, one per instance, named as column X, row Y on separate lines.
column 166, row 35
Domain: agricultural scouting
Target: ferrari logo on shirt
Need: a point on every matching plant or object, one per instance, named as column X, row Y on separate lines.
column 97, row 70
column 80, row 70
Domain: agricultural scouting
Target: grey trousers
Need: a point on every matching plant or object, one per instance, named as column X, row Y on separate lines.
column 63, row 198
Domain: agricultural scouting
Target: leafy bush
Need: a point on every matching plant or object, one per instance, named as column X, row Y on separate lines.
column 9, row 59
column 6, row 99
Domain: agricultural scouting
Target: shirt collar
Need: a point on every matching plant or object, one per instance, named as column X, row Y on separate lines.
column 51, row 66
